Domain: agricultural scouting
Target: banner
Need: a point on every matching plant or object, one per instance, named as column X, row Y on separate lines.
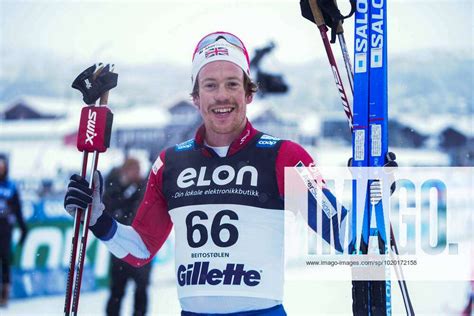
column 40, row 266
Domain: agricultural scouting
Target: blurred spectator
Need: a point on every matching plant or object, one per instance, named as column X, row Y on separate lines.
column 124, row 188
column 10, row 212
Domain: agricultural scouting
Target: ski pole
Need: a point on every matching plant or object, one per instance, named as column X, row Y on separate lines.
column 85, row 227
column 314, row 15
column 93, row 137
column 347, row 59
column 401, row 279
column 342, row 42
column 71, row 280
column 72, row 258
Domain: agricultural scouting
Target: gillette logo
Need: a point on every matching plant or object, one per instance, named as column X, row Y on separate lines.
column 198, row 273
column 90, row 132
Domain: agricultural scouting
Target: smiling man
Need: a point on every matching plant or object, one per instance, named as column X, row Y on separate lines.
column 222, row 100
column 222, row 191
column 222, row 87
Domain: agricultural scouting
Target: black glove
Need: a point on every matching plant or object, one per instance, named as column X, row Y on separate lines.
column 79, row 195
column 390, row 164
column 94, row 81
column 390, row 158
column 306, row 11
column 330, row 13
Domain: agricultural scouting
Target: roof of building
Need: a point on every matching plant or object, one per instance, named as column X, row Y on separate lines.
column 45, row 106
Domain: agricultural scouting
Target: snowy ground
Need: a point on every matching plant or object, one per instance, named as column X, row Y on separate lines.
column 301, row 298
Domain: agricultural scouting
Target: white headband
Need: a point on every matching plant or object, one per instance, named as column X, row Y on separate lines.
column 219, row 50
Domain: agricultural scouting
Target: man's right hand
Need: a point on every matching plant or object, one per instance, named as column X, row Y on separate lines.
column 79, row 195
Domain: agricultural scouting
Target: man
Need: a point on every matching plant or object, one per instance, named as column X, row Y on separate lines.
column 10, row 210
column 123, row 193
column 222, row 191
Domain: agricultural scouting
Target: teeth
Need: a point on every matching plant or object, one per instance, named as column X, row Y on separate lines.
column 227, row 110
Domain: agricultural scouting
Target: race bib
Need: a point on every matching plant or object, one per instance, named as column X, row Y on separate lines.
column 229, row 250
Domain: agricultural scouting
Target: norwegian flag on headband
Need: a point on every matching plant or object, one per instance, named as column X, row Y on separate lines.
column 215, row 51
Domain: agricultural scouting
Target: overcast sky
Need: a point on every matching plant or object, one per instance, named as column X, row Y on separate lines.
column 166, row 31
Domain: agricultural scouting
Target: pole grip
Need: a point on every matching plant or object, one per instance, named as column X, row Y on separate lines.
column 104, row 98
column 339, row 29
column 318, row 17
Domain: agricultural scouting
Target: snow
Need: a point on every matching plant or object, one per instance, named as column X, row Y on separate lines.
column 21, row 130
column 310, row 125
column 175, row 99
column 49, row 159
column 257, row 109
column 149, row 116
column 434, row 124
column 144, row 116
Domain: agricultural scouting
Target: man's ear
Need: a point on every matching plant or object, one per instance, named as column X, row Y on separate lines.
column 249, row 98
column 196, row 101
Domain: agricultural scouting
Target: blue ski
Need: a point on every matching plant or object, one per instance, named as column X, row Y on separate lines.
column 369, row 144
column 378, row 140
column 360, row 209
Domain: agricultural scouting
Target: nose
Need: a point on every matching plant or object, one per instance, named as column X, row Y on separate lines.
column 221, row 94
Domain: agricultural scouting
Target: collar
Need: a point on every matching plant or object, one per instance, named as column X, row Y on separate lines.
column 240, row 142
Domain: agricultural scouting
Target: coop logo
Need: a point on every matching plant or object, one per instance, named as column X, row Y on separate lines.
column 185, row 146
column 90, row 131
column 361, row 36
column 198, row 273
column 377, row 34
column 221, row 175
column 267, row 141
